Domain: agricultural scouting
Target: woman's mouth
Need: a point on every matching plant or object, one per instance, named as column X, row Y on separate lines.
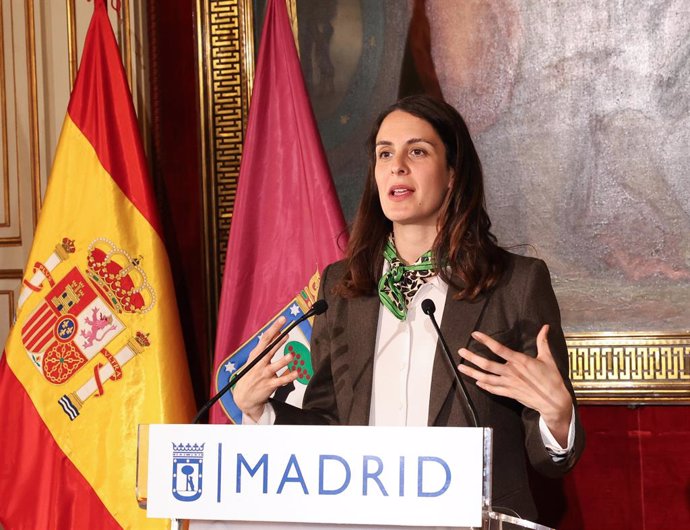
column 400, row 192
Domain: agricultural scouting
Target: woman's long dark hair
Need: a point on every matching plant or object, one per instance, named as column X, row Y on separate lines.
column 467, row 255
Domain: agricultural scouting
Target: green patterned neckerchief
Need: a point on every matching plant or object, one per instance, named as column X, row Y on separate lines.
column 401, row 282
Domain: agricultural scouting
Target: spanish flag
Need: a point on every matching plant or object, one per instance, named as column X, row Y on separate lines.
column 96, row 348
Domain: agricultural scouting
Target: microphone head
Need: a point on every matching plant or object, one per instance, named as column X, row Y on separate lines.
column 319, row 307
column 428, row 306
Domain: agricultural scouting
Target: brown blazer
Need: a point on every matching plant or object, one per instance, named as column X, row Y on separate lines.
column 342, row 349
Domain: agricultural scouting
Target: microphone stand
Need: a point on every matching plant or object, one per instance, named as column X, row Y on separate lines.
column 429, row 308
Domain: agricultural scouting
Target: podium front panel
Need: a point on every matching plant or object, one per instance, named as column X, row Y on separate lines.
column 395, row 476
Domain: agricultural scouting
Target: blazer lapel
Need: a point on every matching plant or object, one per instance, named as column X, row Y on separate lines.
column 459, row 320
column 361, row 342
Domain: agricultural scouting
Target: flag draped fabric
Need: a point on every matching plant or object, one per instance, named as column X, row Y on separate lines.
column 96, row 348
column 287, row 223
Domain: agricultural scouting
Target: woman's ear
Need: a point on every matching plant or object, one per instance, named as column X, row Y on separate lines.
column 452, row 177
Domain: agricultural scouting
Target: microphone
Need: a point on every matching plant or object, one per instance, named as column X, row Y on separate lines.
column 429, row 308
column 317, row 308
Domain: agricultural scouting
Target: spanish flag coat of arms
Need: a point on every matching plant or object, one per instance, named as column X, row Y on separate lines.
column 96, row 348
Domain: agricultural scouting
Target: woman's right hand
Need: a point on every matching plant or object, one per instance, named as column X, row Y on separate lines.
column 252, row 392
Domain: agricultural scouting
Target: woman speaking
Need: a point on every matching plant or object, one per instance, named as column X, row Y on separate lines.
column 422, row 233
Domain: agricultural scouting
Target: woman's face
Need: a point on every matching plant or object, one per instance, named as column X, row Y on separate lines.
column 411, row 171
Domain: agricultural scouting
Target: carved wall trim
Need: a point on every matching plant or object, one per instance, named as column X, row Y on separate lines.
column 71, row 40
column 226, row 72
column 9, row 290
column 33, row 110
column 4, row 145
column 630, row 368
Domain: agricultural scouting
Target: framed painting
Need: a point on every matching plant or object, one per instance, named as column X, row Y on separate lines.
column 581, row 116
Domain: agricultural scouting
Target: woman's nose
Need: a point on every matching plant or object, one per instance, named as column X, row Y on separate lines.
column 398, row 166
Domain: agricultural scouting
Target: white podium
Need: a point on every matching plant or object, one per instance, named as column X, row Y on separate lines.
column 318, row 477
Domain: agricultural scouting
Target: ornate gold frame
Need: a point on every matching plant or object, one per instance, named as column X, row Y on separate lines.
column 630, row 368
column 225, row 58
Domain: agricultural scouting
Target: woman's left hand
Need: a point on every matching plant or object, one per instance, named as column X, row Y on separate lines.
column 533, row 381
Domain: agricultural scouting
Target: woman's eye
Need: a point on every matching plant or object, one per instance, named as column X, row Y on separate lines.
column 417, row 152
column 384, row 154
